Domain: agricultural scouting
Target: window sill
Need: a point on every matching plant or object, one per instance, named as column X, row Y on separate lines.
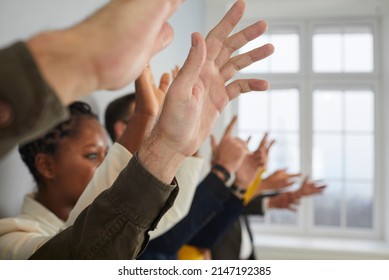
column 276, row 247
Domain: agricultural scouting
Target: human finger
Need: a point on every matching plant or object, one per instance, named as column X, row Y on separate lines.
column 214, row 144
column 263, row 142
column 241, row 61
column 220, row 32
column 175, row 71
column 270, row 145
column 230, row 127
column 164, row 82
column 237, row 87
column 164, row 38
column 190, row 71
column 238, row 40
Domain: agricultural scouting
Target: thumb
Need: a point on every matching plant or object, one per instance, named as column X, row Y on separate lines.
column 190, row 71
column 164, row 82
column 164, row 38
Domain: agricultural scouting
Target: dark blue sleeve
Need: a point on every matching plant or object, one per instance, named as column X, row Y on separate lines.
column 208, row 201
column 254, row 207
column 212, row 232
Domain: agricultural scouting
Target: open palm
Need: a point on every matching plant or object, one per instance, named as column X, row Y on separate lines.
column 199, row 93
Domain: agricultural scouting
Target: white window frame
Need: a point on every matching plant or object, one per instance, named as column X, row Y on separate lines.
column 299, row 11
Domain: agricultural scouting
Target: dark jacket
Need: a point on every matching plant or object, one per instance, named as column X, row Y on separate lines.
column 229, row 244
column 213, row 208
column 33, row 105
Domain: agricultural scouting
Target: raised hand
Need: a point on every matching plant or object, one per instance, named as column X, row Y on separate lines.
column 198, row 94
column 121, row 40
column 231, row 151
column 309, row 188
column 263, row 150
column 284, row 200
column 253, row 163
column 149, row 98
column 278, row 180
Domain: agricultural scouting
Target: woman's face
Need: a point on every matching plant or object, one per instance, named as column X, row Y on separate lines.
column 77, row 158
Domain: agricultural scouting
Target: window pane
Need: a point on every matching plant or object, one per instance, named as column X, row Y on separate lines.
column 328, row 205
column 327, row 54
column 358, row 52
column 284, row 110
column 285, row 153
column 253, row 111
column 359, row 111
column 255, row 139
column 343, row 48
column 327, row 156
column 359, row 156
column 286, row 59
column 327, row 106
column 359, row 205
column 281, row 217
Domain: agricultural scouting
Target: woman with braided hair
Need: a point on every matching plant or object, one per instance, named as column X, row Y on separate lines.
column 62, row 163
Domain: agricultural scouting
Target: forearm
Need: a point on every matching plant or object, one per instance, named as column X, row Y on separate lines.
column 159, row 158
column 63, row 63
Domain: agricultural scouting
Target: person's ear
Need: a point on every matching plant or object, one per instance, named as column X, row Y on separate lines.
column 45, row 165
column 119, row 127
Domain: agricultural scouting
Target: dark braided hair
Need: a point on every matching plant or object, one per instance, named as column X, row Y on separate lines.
column 48, row 143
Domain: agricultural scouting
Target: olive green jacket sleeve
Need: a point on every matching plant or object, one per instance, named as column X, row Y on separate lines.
column 29, row 106
column 116, row 224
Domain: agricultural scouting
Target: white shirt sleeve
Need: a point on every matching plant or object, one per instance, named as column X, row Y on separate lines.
column 117, row 158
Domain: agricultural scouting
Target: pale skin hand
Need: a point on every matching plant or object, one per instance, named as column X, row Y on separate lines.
column 263, row 150
column 198, row 94
column 279, row 179
column 231, row 151
column 284, row 200
column 253, row 163
column 309, row 188
column 121, row 40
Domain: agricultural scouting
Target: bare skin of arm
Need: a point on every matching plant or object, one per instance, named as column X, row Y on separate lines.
column 199, row 93
column 121, row 40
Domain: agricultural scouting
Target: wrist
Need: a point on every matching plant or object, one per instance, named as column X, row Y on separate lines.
column 62, row 64
column 297, row 194
column 238, row 191
column 221, row 172
column 242, row 182
column 159, row 159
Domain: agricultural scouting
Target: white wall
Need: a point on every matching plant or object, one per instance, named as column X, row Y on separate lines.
column 19, row 19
